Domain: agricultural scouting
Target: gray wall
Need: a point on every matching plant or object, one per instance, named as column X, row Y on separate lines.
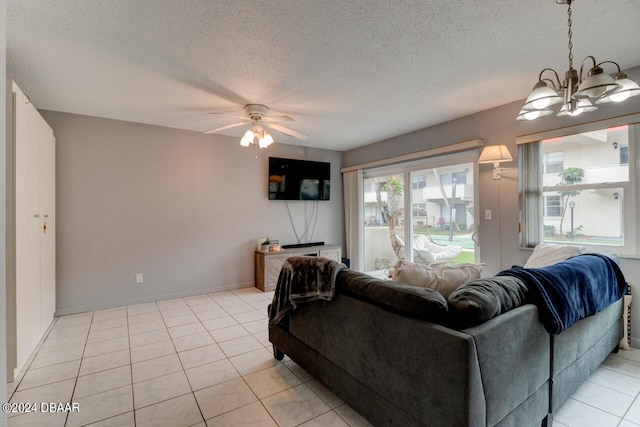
column 183, row 208
column 499, row 237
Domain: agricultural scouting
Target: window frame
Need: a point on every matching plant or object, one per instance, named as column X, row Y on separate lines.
column 405, row 169
column 527, row 186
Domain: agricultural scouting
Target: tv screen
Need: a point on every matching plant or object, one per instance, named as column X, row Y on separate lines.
column 291, row 179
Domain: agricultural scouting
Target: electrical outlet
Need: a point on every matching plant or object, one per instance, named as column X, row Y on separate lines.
column 139, row 278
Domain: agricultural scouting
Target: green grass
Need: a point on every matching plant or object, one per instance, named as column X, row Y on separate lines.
column 465, row 257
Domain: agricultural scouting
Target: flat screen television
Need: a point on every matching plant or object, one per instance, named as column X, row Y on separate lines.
column 291, row 179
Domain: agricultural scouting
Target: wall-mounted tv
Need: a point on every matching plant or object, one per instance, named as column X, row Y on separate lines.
column 291, row 179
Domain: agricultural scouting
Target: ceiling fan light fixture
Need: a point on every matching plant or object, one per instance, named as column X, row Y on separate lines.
column 247, row 138
column 266, row 140
column 258, row 119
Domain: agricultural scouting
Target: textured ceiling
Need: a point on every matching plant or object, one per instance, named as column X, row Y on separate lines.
column 349, row 72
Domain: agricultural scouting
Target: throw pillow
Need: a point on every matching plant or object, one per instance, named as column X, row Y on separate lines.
column 479, row 300
column 545, row 254
column 444, row 278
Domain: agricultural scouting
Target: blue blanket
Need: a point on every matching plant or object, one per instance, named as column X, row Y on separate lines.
column 573, row 289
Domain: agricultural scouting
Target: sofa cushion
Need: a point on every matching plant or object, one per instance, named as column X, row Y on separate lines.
column 444, row 278
column 421, row 303
column 545, row 254
column 479, row 300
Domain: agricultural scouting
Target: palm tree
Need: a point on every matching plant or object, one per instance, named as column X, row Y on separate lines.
column 569, row 176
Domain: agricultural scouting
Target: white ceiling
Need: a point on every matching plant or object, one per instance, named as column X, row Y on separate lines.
column 349, row 72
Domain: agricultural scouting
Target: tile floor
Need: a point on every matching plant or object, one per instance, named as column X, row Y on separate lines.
column 206, row 361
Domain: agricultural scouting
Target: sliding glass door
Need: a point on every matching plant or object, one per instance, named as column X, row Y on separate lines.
column 420, row 211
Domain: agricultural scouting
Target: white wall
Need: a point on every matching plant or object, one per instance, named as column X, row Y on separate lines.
column 3, row 191
column 183, row 208
column 499, row 246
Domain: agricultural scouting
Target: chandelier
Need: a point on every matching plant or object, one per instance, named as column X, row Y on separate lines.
column 576, row 94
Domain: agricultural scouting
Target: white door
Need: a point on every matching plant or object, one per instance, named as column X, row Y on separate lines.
column 27, row 219
column 47, row 225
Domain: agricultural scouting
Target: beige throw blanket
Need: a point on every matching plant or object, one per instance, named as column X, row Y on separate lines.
column 303, row 279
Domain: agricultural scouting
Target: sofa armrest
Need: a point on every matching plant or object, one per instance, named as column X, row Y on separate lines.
column 513, row 353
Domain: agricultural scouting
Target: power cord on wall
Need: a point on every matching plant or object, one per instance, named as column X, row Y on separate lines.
column 310, row 220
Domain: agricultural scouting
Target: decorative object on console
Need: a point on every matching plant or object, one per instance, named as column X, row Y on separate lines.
column 575, row 92
column 496, row 154
column 265, row 244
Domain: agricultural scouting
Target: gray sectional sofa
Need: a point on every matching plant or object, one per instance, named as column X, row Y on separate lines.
column 386, row 350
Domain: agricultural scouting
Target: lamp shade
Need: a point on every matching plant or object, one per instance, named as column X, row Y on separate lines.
column 628, row 89
column 582, row 106
column 266, row 140
column 533, row 114
column 541, row 97
column 596, row 84
column 247, row 138
column 495, row 154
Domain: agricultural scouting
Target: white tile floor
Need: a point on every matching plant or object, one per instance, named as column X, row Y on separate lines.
column 206, row 361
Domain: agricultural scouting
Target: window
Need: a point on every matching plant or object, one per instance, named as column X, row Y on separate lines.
column 419, row 181
column 420, row 209
column 624, row 155
column 553, row 206
column 430, row 198
column 459, row 177
column 553, row 162
column 578, row 188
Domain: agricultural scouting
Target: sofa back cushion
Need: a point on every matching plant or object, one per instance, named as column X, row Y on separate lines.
column 444, row 278
column 421, row 303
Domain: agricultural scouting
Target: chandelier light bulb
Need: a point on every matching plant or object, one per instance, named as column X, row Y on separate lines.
column 532, row 115
column 619, row 96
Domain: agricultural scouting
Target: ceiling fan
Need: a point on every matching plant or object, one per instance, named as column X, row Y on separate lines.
column 259, row 120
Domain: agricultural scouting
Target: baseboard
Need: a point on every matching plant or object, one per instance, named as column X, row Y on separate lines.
column 151, row 298
column 635, row 342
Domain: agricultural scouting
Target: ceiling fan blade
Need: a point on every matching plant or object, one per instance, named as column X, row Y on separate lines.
column 232, row 114
column 288, row 131
column 278, row 119
column 225, row 127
